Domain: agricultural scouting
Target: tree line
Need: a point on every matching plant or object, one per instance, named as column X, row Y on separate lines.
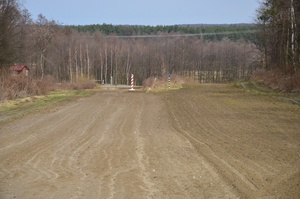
column 207, row 32
column 279, row 22
column 67, row 54
column 71, row 56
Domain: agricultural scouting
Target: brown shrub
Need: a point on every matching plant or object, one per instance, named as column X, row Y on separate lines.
column 41, row 86
column 279, row 80
column 21, row 86
column 86, row 85
column 15, row 87
column 77, row 86
column 163, row 81
column 149, row 83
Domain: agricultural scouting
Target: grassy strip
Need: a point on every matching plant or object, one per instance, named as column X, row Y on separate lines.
column 161, row 89
column 13, row 109
column 261, row 89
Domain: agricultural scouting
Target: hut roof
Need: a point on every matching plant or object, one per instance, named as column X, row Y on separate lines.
column 18, row 68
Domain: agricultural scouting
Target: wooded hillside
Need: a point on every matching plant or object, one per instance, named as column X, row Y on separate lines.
column 213, row 32
column 208, row 53
column 111, row 53
column 279, row 25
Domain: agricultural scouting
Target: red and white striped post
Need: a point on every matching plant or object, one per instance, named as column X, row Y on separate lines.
column 132, row 83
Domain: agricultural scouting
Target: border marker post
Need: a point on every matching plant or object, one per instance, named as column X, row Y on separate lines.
column 132, row 83
column 169, row 80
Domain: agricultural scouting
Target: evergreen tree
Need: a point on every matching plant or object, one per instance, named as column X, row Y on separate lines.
column 9, row 16
column 279, row 33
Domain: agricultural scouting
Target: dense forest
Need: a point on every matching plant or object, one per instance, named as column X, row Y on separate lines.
column 208, row 53
column 279, row 22
column 70, row 54
column 279, row 37
column 214, row 32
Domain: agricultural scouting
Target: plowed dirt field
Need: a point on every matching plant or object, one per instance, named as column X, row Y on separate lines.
column 212, row 141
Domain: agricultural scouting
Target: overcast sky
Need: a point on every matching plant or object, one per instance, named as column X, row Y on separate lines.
column 144, row 12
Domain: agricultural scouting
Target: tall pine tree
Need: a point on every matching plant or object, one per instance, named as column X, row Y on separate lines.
column 280, row 33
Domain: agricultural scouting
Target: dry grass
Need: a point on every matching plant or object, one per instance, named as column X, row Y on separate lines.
column 161, row 84
column 279, row 80
column 21, row 86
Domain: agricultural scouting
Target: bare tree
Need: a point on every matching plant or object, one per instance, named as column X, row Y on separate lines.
column 43, row 33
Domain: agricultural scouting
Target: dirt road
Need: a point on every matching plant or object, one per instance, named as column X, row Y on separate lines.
column 208, row 142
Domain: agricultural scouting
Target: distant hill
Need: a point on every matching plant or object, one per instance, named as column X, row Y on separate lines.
column 205, row 31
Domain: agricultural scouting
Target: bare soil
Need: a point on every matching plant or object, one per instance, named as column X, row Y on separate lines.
column 212, row 141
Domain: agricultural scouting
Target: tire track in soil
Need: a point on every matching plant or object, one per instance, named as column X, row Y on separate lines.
column 176, row 169
column 33, row 166
column 235, row 126
column 270, row 114
column 105, row 148
column 83, row 153
column 138, row 145
column 216, row 134
column 142, row 157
